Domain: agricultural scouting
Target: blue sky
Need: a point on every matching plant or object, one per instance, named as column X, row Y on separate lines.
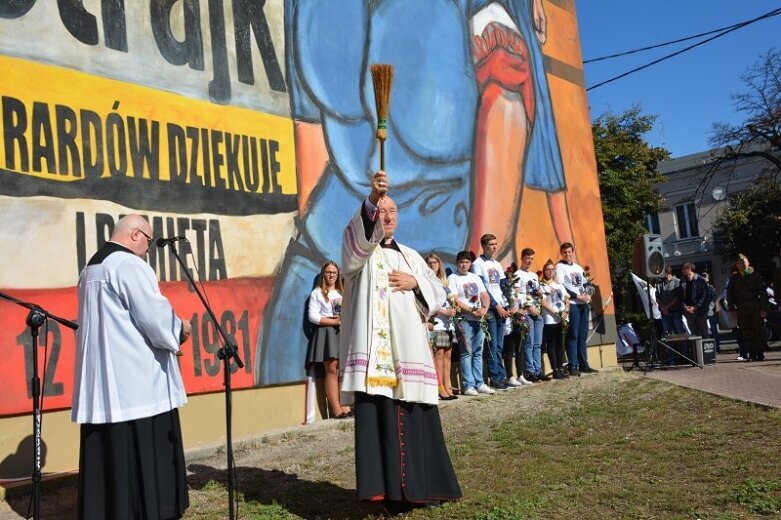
column 688, row 92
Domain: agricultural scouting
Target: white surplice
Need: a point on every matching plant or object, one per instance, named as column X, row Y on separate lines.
column 128, row 336
column 385, row 348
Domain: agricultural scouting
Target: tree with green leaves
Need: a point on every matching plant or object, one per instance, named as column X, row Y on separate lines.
column 628, row 175
column 751, row 224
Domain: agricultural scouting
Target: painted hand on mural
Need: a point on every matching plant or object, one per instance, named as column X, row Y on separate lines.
column 540, row 21
column 504, row 50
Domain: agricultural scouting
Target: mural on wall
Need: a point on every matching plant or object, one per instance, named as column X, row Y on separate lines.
column 248, row 127
column 470, row 131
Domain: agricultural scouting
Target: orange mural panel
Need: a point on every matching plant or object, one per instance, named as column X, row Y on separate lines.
column 237, row 303
column 563, row 43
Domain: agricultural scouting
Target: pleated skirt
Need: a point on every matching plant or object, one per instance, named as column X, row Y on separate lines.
column 324, row 345
column 133, row 469
column 400, row 452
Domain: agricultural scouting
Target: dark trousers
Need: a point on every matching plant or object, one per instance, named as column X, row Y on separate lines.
column 577, row 336
column 553, row 344
column 713, row 321
column 752, row 330
column 698, row 325
column 512, row 353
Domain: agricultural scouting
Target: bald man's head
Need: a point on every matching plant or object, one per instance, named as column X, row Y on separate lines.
column 134, row 233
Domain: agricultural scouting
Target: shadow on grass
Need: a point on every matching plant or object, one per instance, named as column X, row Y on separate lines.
column 260, row 487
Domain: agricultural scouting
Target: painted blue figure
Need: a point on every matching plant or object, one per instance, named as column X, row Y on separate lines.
column 441, row 77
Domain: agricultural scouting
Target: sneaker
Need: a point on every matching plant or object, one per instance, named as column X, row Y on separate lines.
column 499, row 385
column 532, row 377
column 589, row 370
column 524, row 381
column 557, row 374
column 573, row 371
column 543, row 377
column 485, row 389
column 514, row 382
column 470, row 391
column 740, row 358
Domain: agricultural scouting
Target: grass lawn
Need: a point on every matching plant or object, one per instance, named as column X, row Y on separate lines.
column 609, row 446
column 613, row 445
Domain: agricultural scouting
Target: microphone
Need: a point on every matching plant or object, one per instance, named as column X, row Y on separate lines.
column 162, row 242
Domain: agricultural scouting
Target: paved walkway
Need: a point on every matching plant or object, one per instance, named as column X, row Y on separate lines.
column 756, row 382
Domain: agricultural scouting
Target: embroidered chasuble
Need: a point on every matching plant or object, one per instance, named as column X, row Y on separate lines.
column 385, row 347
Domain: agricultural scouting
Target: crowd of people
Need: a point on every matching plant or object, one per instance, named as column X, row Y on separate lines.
column 396, row 328
column 492, row 328
column 388, row 325
column 690, row 305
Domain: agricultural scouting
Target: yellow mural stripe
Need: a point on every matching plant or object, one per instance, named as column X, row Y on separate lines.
column 63, row 125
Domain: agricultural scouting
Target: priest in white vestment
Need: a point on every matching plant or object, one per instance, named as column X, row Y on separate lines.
column 387, row 365
column 127, row 385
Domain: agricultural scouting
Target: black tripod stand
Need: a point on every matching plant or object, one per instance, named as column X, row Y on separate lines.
column 225, row 353
column 35, row 319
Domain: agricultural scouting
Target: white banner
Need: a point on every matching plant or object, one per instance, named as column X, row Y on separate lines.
column 642, row 289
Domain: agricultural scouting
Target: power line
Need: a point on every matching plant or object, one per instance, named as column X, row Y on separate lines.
column 723, row 32
column 657, row 45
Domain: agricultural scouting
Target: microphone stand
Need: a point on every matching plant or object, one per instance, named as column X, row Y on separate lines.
column 225, row 353
column 35, row 319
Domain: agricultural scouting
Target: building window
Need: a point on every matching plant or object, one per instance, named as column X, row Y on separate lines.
column 652, row 223
column 687, row 220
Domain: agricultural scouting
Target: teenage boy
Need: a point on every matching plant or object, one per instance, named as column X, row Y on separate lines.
column 492, row 274
column 529, row 285
column 572, row 277
column 472, row 301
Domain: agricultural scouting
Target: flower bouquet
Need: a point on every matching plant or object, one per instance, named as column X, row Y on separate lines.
column 459, row 318
column 476, row 305
column 563, row 317
column 510, row 291
column 588, row 283
column 451, row 303
column 532, row 296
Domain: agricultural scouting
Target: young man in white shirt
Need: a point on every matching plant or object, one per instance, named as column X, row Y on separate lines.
column 572, row 277
column 529, row 290
column 492, row 274
column 472, row 301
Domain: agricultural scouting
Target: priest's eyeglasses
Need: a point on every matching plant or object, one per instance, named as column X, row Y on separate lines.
column 148, row 238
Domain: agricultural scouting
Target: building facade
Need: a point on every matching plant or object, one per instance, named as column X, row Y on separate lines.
column 695, row 193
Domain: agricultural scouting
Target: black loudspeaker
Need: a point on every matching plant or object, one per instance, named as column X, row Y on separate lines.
column 648, row 256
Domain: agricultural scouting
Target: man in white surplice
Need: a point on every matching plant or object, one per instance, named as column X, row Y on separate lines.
column 387, row 364
column 127, row 384
column 390, row 293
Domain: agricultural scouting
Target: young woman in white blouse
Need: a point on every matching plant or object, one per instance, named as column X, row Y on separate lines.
column 442, row 333
column 555, row 307
column 325, row 305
